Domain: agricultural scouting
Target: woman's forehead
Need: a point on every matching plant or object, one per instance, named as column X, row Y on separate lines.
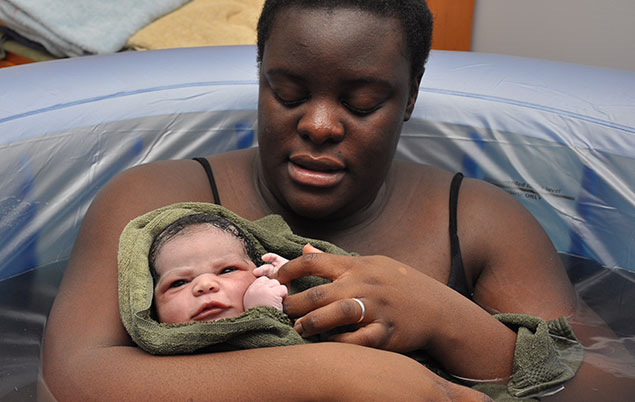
column 349, row 39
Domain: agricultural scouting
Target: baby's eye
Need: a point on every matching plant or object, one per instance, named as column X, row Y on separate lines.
column 178, row 283
column 228, row 270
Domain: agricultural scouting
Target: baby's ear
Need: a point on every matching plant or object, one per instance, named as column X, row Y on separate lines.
column 309, row 249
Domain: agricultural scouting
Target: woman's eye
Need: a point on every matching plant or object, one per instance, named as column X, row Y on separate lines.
column 290, row 102
column 360, row 111
column 228, row 270
column 178, row 283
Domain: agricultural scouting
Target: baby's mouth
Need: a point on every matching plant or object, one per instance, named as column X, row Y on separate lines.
column 208, row 311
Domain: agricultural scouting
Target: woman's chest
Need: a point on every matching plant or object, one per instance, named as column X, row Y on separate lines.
column 418, row 240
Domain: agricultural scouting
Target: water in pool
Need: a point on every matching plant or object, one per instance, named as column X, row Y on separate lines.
column 25, row 301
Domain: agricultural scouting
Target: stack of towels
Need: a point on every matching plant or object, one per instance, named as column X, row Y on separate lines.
column 73, row 28
column 81, row 27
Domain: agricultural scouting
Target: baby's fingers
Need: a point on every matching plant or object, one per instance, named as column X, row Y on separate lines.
column 264, row 270
column 269, row 257
column 280, row 290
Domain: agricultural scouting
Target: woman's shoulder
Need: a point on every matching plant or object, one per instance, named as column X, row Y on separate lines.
column 434, row 181
column 479, row 203
column 423, row 192
column 429, row 184
column 171, row 181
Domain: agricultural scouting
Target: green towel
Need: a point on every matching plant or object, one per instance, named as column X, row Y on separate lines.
column 258, row 327
column 547, row 354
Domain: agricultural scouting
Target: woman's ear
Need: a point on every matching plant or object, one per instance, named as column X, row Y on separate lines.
column 412, row 97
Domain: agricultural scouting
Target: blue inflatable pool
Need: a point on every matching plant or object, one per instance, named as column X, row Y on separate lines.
column 560, row 137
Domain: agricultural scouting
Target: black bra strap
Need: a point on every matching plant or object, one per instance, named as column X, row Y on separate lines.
column 457, row 279
column 210, row 176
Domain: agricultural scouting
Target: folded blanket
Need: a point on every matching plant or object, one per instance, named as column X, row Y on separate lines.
column 258, row 327
column 80, row 27
column 202, row 23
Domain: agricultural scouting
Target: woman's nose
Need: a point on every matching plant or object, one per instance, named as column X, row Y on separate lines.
column 321, row 123
column 205, row 283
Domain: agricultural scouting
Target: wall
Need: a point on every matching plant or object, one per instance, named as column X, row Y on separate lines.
column 595, row 32
column 452, row 24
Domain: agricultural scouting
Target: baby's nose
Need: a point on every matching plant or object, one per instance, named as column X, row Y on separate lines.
column 205, row 283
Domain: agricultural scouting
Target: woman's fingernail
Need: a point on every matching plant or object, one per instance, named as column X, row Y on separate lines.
column 298, row 327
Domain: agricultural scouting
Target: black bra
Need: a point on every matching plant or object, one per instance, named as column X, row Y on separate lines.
column 457, row 280
column 210, row 177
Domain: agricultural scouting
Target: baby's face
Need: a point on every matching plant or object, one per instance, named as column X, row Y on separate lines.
column 203, row 275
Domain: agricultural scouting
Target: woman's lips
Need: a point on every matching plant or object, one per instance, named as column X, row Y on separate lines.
column 313, row 171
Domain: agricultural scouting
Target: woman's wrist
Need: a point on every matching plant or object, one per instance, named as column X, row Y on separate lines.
column 469, row 342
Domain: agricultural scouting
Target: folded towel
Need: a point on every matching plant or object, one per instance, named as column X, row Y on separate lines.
column 80, row 27
column 258, row 327
column 202, row 23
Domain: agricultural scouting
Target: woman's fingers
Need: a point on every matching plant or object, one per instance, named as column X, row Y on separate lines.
column 374, row 335
column 390, row 292
column 329, row 266
column 308, row 249
column 336, row 314
column 313, row 298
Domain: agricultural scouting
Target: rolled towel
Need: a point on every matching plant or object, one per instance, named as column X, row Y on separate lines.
column 257, row 327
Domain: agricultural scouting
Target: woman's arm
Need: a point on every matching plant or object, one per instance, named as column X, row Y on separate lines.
column 88, row 355
column 523, row 273
column 509, row 260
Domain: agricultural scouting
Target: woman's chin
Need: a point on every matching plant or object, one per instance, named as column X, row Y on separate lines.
column 323, row 209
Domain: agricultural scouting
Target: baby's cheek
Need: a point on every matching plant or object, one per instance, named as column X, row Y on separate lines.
column 170, row 312
column 247, row 280
column 162, row 312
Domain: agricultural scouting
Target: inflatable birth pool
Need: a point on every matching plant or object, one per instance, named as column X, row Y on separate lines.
column 559, row 137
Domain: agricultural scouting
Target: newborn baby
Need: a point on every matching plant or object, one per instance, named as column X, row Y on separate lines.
column 203, row 269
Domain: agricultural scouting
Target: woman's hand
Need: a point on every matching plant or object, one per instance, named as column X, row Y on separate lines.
column 392, row 295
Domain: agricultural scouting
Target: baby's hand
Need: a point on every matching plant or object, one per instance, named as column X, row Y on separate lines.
column 274, row 264
column 265, row 292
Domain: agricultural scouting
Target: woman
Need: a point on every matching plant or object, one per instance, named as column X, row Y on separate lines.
column 336, row 84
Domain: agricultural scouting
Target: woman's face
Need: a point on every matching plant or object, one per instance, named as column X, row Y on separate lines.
column 335, row 89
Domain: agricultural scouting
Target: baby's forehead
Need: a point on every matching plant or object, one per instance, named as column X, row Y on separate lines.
column 211, row 234
column 207, row 229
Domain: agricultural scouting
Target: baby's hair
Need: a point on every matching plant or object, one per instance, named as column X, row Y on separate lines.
column 177, row 227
